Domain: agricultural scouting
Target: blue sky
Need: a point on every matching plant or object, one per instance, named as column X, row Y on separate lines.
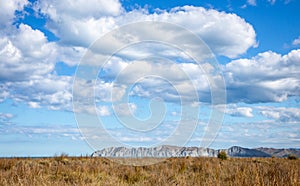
column 256, row 44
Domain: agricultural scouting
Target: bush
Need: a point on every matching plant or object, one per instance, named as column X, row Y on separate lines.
column 292, row 157
column 222, row 155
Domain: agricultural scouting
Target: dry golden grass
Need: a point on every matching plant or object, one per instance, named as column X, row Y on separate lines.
column 64, row 170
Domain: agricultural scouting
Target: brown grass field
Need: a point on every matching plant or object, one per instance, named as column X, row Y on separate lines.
column 63, row 170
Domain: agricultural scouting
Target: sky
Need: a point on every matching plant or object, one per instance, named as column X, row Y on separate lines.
column 77, row 76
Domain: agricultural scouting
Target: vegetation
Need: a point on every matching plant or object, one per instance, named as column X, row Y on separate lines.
column 292, row 157
column 222, row 155
column 174, row 171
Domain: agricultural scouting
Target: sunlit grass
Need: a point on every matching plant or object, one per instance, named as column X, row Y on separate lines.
column 64, row 170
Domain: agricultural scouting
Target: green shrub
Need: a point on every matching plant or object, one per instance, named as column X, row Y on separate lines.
column 292, row 157
column 222, row 155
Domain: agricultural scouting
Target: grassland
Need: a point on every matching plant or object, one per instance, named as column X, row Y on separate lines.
column 64, row 170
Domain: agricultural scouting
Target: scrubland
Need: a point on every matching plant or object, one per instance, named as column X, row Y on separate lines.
column 63, row 170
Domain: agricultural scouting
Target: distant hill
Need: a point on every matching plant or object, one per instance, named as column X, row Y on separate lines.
column 279, row 152
column 175, row 151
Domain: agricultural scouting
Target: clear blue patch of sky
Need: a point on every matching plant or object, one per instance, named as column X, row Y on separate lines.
column 167, row 5
column 275, row 25
column 62, row 69
column 37, row 146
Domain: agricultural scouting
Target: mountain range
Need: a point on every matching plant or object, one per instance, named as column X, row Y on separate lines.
column 166, row 151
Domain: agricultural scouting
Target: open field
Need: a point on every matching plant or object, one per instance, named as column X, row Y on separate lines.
column 64, row 170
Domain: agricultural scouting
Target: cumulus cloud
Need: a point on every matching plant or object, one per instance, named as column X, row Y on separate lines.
column 161, row 76
column 70, row 55
column 78, row 22
column 267, row 77
column 28, row 58
column 8, row 9
column 281, row 114
column 234, row 110
column 26, row 55
column 88, row 93
column 169, row 81
column 95, row 8
column 208, row 24
column 27, row 63
column 83, row 28
column 53, row 92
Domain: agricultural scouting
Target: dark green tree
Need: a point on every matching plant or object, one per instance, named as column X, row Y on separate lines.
column 222, row 155
column 292, row 157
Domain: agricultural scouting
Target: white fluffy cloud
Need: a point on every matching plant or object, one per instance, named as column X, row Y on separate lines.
column 98, row 91
column 83, row 28
column 78, row 22
column 170, row 81
column 26, row 54
column 267, row 77
column 80, row 8
column 27, row 62
column 53, row 92
column 234, row 110
column 70, row 55
column 226, row 34
column 8, row 9
column 28, row 58
column 282, row 114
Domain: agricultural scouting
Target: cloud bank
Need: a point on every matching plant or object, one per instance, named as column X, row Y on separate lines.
column 28, row 58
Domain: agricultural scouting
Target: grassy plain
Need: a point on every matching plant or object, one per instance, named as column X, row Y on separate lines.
column 63, row 170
